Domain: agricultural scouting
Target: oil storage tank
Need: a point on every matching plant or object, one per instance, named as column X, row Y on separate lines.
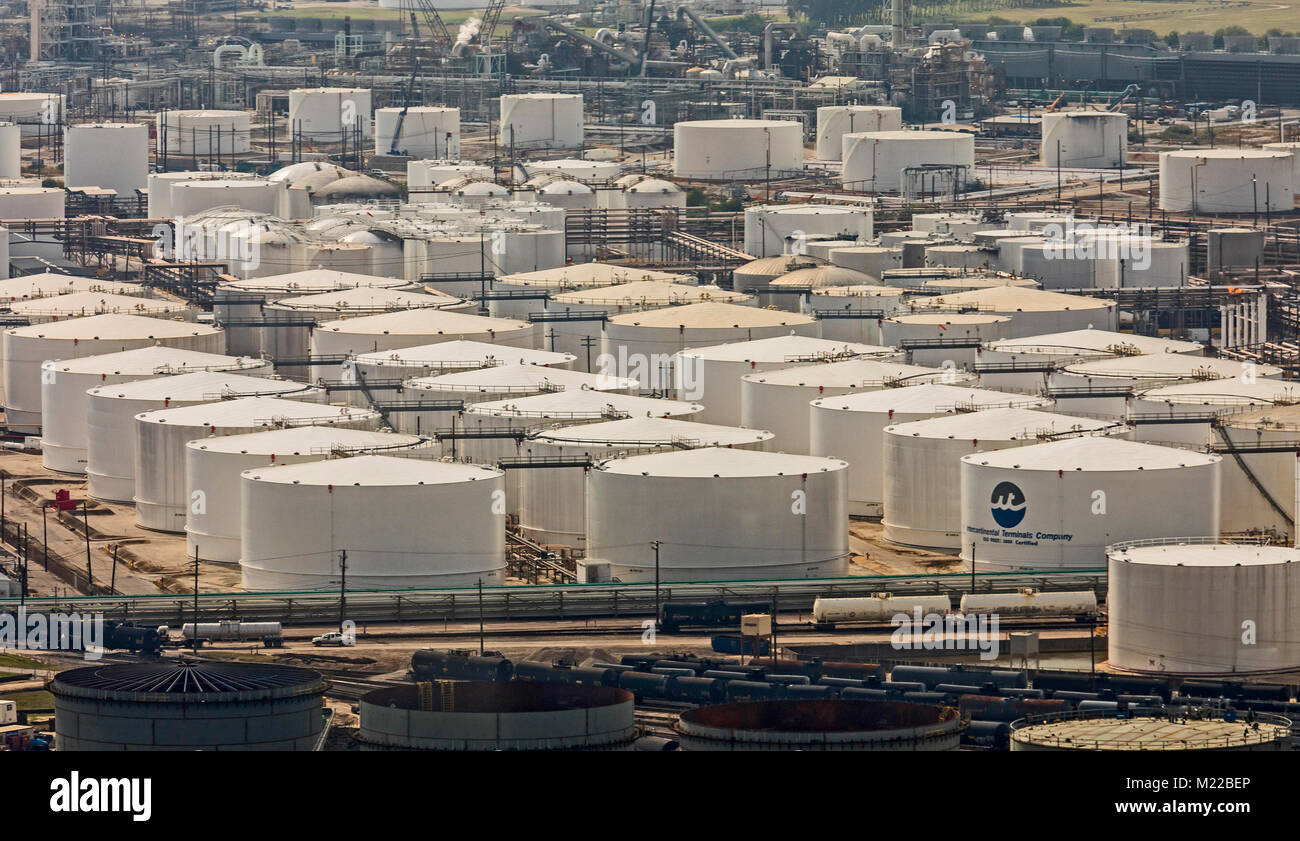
column 381, row 369
column 718, row 514
column 835, row 121
column 110, row 418
column 730, row 149
column 1032, row 311
column 1084, row 139
column 874, row 260
column 1057, row 505
column 26, row 349
column 409, row 328
column 427, row 131
column 821, row 725
column 1226, row 181
column 65, row 403
column 204, row 132
column 1189, row 412
column 541, row 121
column 851, row 427
column 876, row 161
column 114, row 156
column 1259, row 488
column 853, row 313
column 161, row 502
column 1103, row 386
column 552, row 506
column 641, row 344
column 921, row 456
column 326, row 115
column 780, row 400
column 772, row 230
column 297, row 518
column 1025, row 362
column 497, row 716
column 1195, row 606
column 936, row 338
column 712, row 374
column 1149, row 730
column 83, row 304
column 213, row 466
column 182, row 705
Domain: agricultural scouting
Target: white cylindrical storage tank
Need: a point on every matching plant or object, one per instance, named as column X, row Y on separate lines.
column 853, row 313
column 297, row 518
column 499, row 382
column 1066, row 265
column 324, row 115
column 851, row 427
column 114, row 156
column 960, row 225
column 427, row 131
column 772, row 230
column 779, row 401
column 1179, row 607
column 531, row 286
column 1102, row 386
column 190, row 198
column 641, row 344
column 764, row 270
column 737, row 503
column 425, row 175
column 1084, row 139
column 1146, row 262
column 384, row 368
column 578, row 335
column 711, row 375
column 957, row 256
column 1188, row 412
column 1290, row 148
column 1023, row 364
column 26, row 349
column 110, row 418
column 577, row 169
column 204, row 132
column 933, row 338
column 37, row 113
column 553, row 501
column 732, row 149
column 541, row 121
column 11, row 138
column 1259, row 488
column 651, row 193
column 799, row 280
column 65, row 403
column 870, row 259
column 924, row 456
column 213, row 465
column 32, row 203
column 287, row 340
column 161, row 500
column 1058, row 505
column 1226, row 181
column 1032, row 311
column 1228, row 248
column 409, row 328
column 160, row 187
column 306, row 282
column 874, row 161
column 562, row 192
column 835, row 121
column 47, row 284
column 83, row 304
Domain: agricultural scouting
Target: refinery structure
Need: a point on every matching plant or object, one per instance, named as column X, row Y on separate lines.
column 646, row 376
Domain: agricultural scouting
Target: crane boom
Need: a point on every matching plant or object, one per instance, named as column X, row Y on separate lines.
column 491, row 15
column 433, row 21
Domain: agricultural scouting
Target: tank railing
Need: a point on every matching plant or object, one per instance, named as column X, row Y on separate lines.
column 345, row 450
column 1204, row 540
column 1013, row 367
column 863, row 314
column 228, row 394
column 948, row 309
column 897, row 381
column 1101, row 386
column 608, row 414
column 1226, row 406
column 1249, row 734
column 824, row 356
column 1049, row 434
column 967, row 406
column 449, row 366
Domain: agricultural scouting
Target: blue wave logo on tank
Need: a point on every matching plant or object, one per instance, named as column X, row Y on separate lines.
column 1009, row 505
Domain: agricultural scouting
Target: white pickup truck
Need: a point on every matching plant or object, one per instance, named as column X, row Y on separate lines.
column 334, row 638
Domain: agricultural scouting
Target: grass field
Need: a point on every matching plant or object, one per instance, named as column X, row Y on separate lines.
column 35, row 700
column 17, row 661
column 1162, row 16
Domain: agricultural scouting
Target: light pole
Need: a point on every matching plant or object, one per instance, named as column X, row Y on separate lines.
column 654, row 544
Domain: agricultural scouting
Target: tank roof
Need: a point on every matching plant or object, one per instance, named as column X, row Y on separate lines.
column 1004, row 424
column 710, row 314
column 1107, row 732
column 372, row 471
column 583, row 275
column 824, row 276
column 782, row 349
column 1166, row 365
column 650, row 430
column 466, row 351
column 1091, row 340
column 50, row 283
column 112, row 326
column 1015, row 299
column 366, row 298
column 312, row 280
column 1092, row 453
column 1201, row 553
column 166, row 680
column 426, row 322
column 852, row 373
column 720, row 462
column 516, row 377
column 1231, row 391
column 580, row 402
column 200, row 385
column 155, row 359
column 929, row 397
column 298, row 440
column 247, row 411
column 949, row 318
column 648, row 292
column 92, row 303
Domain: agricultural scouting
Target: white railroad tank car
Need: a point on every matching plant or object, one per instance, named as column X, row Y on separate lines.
column 880, row 607
column 1030, row 602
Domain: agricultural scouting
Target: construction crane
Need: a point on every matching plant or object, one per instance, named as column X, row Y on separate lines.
column 491, row 15
column 406, row 106
column 433, row 22
column 1129, row 91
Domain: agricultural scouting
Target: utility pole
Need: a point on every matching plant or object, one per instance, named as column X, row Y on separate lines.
column 45, row 536
column 195, row 636
column 343, row 586
column 588, row 342
column 655, row 544
column 972, row 568
column 480, row 618
column 112, row 586
column 90, row 574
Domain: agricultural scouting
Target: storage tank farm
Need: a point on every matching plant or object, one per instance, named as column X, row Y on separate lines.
column 1102, row 386
column 835, row 121
column 1024, row 363
column 853, row 313
column 921, row 456
column 65, row 401
column 851, row 427
column 779, row 400
column 1059, row 504
column 112, row 409
column 712, row 374
column 384, row 371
